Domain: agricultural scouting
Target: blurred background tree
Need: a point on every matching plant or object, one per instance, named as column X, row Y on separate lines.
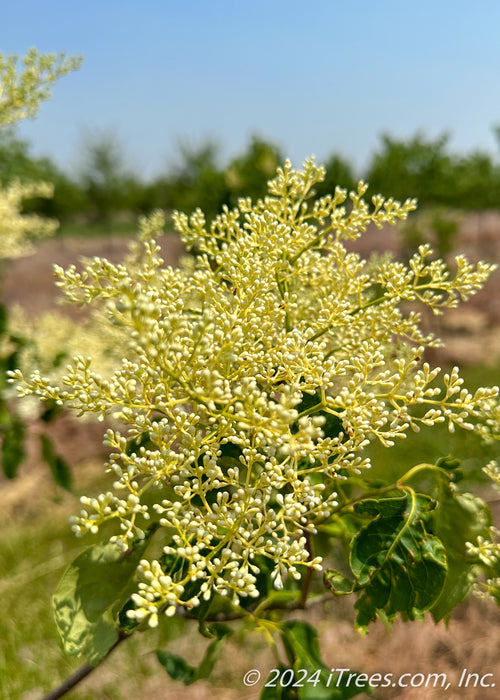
column 247, row 175
column 195, row 180
column 17, row 162
column 103, row 188
column 339, row 173
column 417, row 167
column 104, row 177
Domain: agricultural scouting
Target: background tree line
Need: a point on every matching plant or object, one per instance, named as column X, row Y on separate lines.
column 104, row 188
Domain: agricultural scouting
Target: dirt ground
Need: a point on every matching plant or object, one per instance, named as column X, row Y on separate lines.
column 472, row 640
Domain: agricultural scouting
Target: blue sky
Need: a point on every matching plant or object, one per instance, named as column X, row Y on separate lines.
column 316, row 77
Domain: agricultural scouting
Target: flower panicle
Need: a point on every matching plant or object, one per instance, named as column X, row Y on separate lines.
column 247, row 383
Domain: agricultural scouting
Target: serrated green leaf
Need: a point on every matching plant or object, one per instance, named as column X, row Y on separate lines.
column 399, row 565
column 459, row 518
column 86, row 594
column 384, row 507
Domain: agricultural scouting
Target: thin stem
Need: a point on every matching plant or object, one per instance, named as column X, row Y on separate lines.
column 82, row 673
column 420, row 468
column 370, row 494
column 373, row 302
column 308, row 576
column 282, row 290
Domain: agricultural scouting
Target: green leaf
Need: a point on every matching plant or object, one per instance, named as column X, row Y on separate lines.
column 178, row 668
column 58, row 466
column 127, row 624
column 143, row 440
column 337, row 583
column 448, row 463
column 229, row 455
column 301, row 644
column 104, row 636
column 87, row 593
column 177, row 566
column 451, row 465
column 459, row 518
column 281, row 597
column 398, row 564
column 5, row 414
column 207, row 663
column 13, row 447
column 385, row 507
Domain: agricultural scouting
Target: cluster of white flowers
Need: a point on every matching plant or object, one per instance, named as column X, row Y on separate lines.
column 487, row 551
column 51, row 339
column 22, row 88
column 253, row 379
column 17, row 230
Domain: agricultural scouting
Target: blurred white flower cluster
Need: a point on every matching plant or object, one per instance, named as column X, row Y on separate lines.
column 50, row 339
column 18, row 230
column 487, row 551
column 22, row 89
column 23, row 86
